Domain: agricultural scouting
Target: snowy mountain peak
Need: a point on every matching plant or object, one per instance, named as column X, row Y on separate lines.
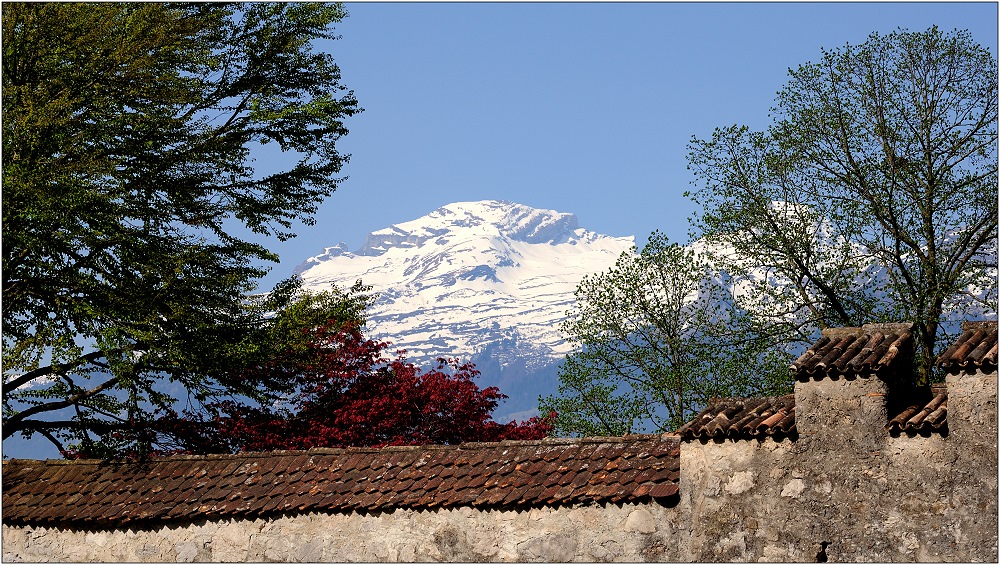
column 471, row 277
column 500, row 219
column 487, row 282
column 486, row 217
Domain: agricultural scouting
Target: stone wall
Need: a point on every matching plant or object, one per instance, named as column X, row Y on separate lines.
column 845, row 489
column 797, row 501
column 610, row 533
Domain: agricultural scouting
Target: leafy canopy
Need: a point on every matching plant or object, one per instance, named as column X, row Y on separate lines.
column 872, row 196
column 655, row 337
column 128, row 178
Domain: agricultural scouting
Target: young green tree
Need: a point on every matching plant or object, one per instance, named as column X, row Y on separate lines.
column 655, row 337
column 872, row 197
column 127, row 177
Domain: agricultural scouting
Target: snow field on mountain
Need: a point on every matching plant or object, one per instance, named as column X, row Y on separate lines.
column 472, row 276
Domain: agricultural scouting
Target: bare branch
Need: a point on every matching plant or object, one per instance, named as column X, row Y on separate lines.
column 17, row 422
column 55, row 369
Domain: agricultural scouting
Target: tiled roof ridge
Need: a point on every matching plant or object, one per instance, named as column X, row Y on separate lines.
column 923, row 415
column 758, row 417
column 872, row 348
column 738, row 417
column 976, row 348
column 510, row 474
column 472, row 445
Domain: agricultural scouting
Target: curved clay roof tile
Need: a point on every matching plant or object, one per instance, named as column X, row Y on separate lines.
column 975, row 349
column 852, row 351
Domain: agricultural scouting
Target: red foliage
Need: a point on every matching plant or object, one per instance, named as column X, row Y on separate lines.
column 350, row 394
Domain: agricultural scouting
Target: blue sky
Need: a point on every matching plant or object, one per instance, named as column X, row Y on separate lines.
column 578, row 107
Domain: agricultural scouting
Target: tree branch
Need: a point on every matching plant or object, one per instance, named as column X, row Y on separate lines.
column 54, row 369
column 16, row 422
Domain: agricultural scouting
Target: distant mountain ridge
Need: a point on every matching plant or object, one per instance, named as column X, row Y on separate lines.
column 486, row 281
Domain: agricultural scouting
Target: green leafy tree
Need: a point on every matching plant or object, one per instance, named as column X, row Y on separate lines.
column 128, row 132
column 655, row 337
column 872, row 196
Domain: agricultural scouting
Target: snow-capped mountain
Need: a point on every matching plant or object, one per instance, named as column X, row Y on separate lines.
column 487, row 281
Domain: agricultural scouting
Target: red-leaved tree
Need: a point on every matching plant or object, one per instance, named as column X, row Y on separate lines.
column 347, row 392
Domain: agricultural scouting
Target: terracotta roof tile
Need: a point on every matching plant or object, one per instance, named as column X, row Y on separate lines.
column 743, row 418
column 739, row 418
column 872, row 348
column 925, row 414
column 975, row 349
column 186, row 488
column 643, row 489
column 663, row 490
